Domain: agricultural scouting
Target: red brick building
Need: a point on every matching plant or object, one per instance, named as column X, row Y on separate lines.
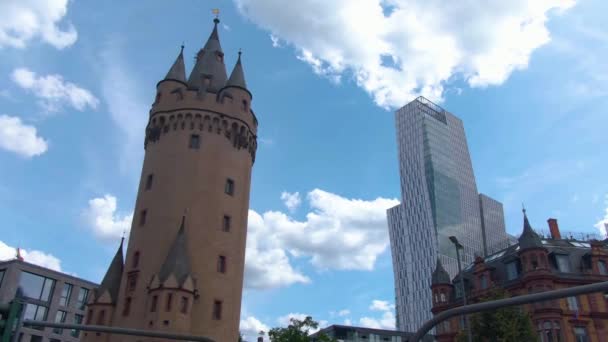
column 535, row 264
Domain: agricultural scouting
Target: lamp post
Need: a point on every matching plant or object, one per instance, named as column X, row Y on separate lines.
column 464, row 295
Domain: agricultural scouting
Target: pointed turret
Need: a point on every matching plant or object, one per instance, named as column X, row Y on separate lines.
column 111, row 281
column 178, row 69
column 237, row 77
column 177, row 262
column 529, row 238
column 209, row 72
column 440, row 275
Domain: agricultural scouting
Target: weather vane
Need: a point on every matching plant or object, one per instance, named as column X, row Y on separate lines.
column 216, row 12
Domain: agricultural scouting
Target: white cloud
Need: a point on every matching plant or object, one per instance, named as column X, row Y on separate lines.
column 344, row 312
column 348, row 322
column 291, row 200
column 226, row 27
column 602, row 225
column 24, row 20
column 250, row 328
column 53, row 91
column 417, row 48
column 386, row 321
column 338, row 233
column 276, row 42
column 102, row 218
column 32, row 256
column 381, row 305
column 286, row 320
column 17, row 137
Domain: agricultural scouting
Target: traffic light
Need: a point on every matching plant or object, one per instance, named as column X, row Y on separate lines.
column 10, row 313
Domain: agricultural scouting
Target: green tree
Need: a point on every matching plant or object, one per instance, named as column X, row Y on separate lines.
column 297, row 331
column 510, row 324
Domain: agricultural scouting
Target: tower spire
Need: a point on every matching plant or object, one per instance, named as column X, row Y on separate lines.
column 209, row 71
column 111, row 281
column 237, row 77
column 177, row 72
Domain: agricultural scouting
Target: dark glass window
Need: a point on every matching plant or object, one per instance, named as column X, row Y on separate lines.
column 563, row 263
column 229, row 187
column 59, row 318
column 195, row 141
column 154, row 304
column 1, row 276
column 132, row 282
column 35, row 312
column 142, row 217
column 36, row 338
column 36, row 287
column 66, row 292
column 184, row 305
column 511, row 270
column 221, row 264
column 217, row 309
column 483, row 282
column 602, row 267
column 169, row 302
column 77, row 320
column 149, row 181
column 580, row 334
column 226, row 223
column 136, row 259
column 127, row 308
column 83, row 295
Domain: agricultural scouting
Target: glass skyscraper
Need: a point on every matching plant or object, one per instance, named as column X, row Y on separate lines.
column 439, row 199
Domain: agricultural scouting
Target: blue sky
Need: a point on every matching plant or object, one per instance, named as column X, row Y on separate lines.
column 529, row 80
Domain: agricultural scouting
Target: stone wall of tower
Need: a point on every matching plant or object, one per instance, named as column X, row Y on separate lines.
column 176, row 178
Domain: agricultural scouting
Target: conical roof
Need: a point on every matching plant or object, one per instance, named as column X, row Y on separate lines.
column 209, row 64
column 440, row 275
column 177, row 261
column 529, row 238
column 111, row 281
column 178, row 69
column 237, row 77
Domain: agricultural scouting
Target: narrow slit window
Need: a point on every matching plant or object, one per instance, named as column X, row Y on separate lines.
column 169, row 302
column 127, row 309
column 221, row 264
column 226, row 223
column 154, row 304
column 195, row 141
column 142, row 217
column 217, row 310
column 149, row 181
column 229, row 187
column 184, row 305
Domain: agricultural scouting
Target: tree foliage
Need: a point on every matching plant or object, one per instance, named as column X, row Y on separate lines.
column 510, row 324
column 297, row 331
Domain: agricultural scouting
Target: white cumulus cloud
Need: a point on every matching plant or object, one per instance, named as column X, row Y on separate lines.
column 53, row 91
column 24, row 20
column 386, row 321
column 338, row 233
column 398, row 49
column 32, row 256
column 286, row 320
column 344, row 312
column 103, row 219
column 602, row 225
column 291, row 200
column 250, row 328
column 20, row 138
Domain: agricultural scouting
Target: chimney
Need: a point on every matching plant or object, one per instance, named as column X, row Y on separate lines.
column 554, row 228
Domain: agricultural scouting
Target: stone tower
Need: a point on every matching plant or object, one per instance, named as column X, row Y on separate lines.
column 183, row 271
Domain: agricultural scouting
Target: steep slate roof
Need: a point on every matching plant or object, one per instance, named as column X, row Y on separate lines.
column 440, row 275
column 178, row 69
column 237, row 77
column 111, row 281
column 209, row 63
column 529, row 238
column 177, row 261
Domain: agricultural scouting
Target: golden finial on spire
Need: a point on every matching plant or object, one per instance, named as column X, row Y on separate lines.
column 216, row 12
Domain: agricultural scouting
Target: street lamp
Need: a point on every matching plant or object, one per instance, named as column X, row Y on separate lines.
column 464, row 295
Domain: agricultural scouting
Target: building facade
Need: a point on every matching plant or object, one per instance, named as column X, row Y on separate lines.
column 535, row 264
column 184, row 264
column 50, row 296
column 439, row 200
column 347, row 333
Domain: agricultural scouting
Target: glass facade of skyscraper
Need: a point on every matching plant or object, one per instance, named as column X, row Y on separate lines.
column 439, row 200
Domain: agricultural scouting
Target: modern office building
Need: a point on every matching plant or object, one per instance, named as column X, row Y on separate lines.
column 534, row 264
column 184, row 264
column 439, row 200
column 347, row 333
column 50, row 296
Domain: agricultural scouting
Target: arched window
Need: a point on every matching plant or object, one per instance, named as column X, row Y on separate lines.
column 136, row 259
column 483, row 282
column 245, row 105
column 442, row 296
column 601, row 265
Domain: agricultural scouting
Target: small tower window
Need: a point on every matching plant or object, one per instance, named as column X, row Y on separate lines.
column 217, row 309
column 149, row 181
column 154, row 304
column 229, row 187
column 132, row 282
column 157, row 97
column 89, row 316
column 221, row 264
column 245, row 105
column 602, row 267
column 127, row 308
column 226, row 223
column 195, row 141
column 142, row 217
column 136, row 259
column 184, row 305
column 101, row 318
column 169, row 302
